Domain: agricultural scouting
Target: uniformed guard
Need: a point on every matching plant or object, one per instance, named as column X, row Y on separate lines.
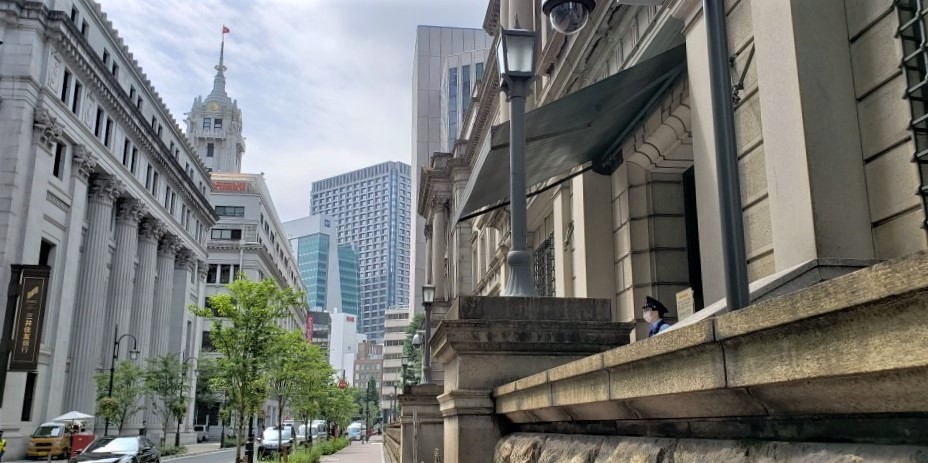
column 653, row 312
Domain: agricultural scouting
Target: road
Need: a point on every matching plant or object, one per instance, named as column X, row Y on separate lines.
column 354, row 453
column 225, row 456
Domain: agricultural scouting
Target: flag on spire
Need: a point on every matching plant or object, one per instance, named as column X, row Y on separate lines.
column 225, row 30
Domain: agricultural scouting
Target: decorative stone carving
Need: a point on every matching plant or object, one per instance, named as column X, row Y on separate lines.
column 202, row 268
column 45, row 127
column 84, row 162
column 440, row 204
column 427, row 231
column 131, row 210
column 105, row 189
column 184, row 259
column 151, row 229
column 169, row 245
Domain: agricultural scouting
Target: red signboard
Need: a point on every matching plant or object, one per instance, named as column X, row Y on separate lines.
column 235, row 187
column 349, row 318
column 309, row 328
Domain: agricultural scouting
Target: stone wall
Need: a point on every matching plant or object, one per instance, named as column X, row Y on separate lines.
column 557, row 448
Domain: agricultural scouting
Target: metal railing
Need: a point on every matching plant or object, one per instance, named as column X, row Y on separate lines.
column 543, row 257
column 912, row 32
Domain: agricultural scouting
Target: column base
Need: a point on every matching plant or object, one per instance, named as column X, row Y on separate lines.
column 420, row 423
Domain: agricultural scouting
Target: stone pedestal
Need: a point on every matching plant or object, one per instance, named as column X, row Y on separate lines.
column 420, row 423
column 485, row 342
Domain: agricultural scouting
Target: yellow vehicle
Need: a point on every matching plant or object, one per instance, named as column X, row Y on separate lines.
column 49, row 438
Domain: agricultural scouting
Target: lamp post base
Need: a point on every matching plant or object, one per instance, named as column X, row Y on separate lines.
column 520, row 282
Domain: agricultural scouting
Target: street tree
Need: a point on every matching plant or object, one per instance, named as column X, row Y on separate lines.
column 310, row 390
column 288, row 367
column 165, row 383
column 128, row 389
column 339, row 405
column 245, row 325
column 413, row 354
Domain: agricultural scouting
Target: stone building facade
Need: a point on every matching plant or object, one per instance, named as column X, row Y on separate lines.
column 100, row 184
column 827, row 179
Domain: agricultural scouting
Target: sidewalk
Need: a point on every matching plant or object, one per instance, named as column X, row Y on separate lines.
column 197, row 449
column 359, row 453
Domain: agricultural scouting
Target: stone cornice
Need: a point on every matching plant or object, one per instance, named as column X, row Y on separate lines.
column 491, row 18
column 75, row 49
column 466, row 402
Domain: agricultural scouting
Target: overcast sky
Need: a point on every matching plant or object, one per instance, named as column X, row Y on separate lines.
column 324, row 85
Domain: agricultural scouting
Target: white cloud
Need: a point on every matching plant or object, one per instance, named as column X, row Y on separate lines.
column 324, row 85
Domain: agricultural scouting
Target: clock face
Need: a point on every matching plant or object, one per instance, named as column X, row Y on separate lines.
column 213, row 107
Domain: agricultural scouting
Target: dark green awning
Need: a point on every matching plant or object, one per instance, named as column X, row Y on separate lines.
column 585, row 126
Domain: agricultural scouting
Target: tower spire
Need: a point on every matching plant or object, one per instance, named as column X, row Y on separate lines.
column 219, row 83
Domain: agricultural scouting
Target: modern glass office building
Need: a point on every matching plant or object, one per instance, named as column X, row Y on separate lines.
column 372, row 207
column 349, row 278
column 318, row 260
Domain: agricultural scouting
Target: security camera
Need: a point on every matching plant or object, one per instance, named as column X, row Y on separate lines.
column 568, row 16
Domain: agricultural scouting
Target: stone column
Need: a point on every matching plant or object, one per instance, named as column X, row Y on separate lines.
column 122, row 280
column 429, row 268
column 161, row 311
column 439, row 245
column 164, row 291
column 90, row 307
column 150, row 233
column 59, row 322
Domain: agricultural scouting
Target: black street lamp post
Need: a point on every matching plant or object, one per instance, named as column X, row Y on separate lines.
column 133, row 355
column 428, row 296
column 516, row 55
column 181, row 398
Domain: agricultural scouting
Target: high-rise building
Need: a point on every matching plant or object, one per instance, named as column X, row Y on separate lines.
column 343, row 343
column 349, row 279
column 372, row 208
column 319, row 257
column 448, row 63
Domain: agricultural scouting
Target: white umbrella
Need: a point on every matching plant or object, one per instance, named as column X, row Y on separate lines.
column 73, row 416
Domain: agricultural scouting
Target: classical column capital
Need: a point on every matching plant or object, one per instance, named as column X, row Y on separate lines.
column 169, row 245
column 202, row 268
column 151, row 230
column 184, row 259
column 105, row 189
column 45, row 128
column 439, row 204
column 84, row 162
column 131, row 211
column 427, row 230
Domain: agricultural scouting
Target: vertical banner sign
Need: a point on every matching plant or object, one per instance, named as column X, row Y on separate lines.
column 30, row 314
column 309, row 328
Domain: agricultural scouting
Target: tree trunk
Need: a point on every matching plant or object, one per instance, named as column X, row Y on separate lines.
column 239, row 432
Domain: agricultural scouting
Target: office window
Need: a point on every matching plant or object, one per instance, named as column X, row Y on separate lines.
column 148, row 172
column 217, row 123
column 211, row 273
column 65, row 86
column 108, row 133
column 172, row 148
column 465, row 87
column 74, row 15
column 226, row 234
column 210, row 149
column 154, row 184
column 167, row 197
column 84, row 28
column 159, row 130
column 131, row 92
column 115, row 70
column 206, row 123
column 106, row 57
column 138, row 103
column 230, row 211
column 60, row 154
column 76, row 101
column 154, row 122
column 98, row 125
column 132, row 164
column 478, row 68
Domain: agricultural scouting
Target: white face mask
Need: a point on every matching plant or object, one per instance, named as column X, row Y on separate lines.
column 648, row 316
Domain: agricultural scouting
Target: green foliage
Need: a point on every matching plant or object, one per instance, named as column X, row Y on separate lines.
column 414, row 371
column 245, row 329
column 169, row 451
column 289, row 367
column 127, row 390
column 307, row 401
column 315, row 453
column 165, row 381
column 339, row 405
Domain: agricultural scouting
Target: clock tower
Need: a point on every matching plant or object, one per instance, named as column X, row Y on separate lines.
column 214, row 126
